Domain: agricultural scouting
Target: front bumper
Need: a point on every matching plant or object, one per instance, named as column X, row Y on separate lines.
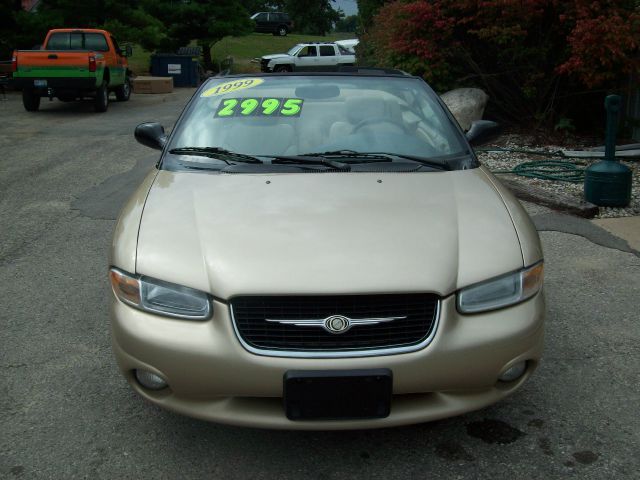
column 264, row 66
column 212, row 377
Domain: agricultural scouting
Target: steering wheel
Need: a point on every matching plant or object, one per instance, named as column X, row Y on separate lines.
column 378, row 120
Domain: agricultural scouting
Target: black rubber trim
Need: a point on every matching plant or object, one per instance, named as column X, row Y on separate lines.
column 56, row 83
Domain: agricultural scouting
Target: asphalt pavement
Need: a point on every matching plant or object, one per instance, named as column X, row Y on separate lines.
column 65, row 411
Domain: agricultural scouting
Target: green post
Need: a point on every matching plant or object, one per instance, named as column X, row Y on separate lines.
column 608, row 183
column 612, row 106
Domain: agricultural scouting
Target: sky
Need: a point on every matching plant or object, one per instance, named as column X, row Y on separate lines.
column 350, row 7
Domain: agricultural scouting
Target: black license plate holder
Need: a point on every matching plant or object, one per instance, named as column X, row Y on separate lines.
column 337, row 394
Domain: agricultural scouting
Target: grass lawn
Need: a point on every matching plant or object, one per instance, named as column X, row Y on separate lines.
column 244, row 49
column 140, row 61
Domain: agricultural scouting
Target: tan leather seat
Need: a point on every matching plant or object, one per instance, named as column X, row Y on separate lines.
column 260, row 138
column 313, row 130
column 359, row 109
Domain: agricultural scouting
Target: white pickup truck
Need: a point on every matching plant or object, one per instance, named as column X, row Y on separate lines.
column 316, row 56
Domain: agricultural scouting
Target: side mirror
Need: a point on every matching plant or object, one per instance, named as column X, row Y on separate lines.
column 482, row 131
column 128, row 51
column 151, row 135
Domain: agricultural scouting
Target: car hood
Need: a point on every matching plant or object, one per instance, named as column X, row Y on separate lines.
column 326, row 233
column 276, row 55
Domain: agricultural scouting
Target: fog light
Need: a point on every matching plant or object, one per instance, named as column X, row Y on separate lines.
column 150, row 380
column 513, row 373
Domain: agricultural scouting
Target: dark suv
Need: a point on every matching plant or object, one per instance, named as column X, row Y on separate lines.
column 272, row 22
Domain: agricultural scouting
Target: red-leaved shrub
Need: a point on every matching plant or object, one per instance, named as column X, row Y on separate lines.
column 534, row 57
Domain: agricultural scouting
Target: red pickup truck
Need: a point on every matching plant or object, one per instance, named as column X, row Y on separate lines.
column 73, row 64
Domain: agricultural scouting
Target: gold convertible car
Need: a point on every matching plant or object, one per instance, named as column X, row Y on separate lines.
column 323, row 251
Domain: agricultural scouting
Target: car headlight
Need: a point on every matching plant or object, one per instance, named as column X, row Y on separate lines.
column 502, row 291
column 157, row 296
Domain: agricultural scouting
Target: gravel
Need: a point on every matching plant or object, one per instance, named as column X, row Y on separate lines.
column 501, row 161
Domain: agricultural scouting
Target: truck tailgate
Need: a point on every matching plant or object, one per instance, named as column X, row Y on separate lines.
column 54, row 64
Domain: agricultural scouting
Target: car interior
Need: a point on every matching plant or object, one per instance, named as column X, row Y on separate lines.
column 363, row 120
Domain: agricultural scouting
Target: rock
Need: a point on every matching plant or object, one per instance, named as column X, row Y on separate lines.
column 466, row 104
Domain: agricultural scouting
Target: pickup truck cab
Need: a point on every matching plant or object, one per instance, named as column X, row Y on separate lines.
column 73, row 64
column 309, row 57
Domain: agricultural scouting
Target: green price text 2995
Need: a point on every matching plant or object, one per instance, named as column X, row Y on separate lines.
column 268, row 107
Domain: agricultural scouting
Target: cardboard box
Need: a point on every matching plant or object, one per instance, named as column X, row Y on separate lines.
column 152, row 85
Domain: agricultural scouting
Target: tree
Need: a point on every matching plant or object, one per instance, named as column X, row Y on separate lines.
column 204, row 21
column 533, row 57
column 347, row 24
column 126, row 19
column 314, row 17
column 367, row 9
column 309, row 16
column 165, row 24
column 8, row 27
column 253, row 6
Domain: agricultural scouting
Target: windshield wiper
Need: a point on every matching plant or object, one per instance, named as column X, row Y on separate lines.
column 437, row 162
column 203, row 165
column 366, row 157
column 370, row 157
column 311, row 159
column 217, row 153
column 321, row 158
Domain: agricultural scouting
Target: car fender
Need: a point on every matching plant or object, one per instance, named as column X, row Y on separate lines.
column 281, row 61
column 525, row 229
column 124, row 243
column 101, row 70
column 346, row 60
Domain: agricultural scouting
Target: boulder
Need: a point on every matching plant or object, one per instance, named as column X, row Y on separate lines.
column 466, row 104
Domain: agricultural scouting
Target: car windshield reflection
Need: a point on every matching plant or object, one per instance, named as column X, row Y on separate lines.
column 294, row 115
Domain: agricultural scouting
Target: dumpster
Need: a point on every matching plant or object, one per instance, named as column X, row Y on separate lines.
column 182, row 68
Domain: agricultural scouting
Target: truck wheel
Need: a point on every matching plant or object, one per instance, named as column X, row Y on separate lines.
column 30, row 100
column 282, row 68
column 281, row 31
column 123, row 92
column 101, row 100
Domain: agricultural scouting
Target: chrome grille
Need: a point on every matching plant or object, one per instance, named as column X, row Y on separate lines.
column 257, row 322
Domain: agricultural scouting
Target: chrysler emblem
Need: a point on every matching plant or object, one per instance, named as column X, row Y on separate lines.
column 334, row 323
column 337, row 324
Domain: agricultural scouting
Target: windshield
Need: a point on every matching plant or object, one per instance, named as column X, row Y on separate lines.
column 297, row 115
column 295, row 49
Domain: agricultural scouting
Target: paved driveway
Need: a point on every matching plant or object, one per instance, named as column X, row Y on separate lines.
column 65, row 412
